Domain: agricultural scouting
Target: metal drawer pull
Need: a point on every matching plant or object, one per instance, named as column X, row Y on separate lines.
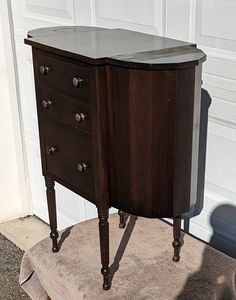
column 78, row 82
column 79, row 117
column 82, row 167
column 44, row 70
column 51, row 150
column 46, row 103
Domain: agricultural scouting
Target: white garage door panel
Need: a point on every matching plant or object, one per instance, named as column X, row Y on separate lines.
column 141, row 15
column 133, row 11
column 215, row 23
column 209, row 23
column 226, row 87
column 217, row 214
column 215, row 20
column 57, row 10
column 220, row 168
column 63, row 8
column 27, row 91
column 176, row 10
column 227, row 92
column 221, row 67
column 34, row 14
column 223, row 109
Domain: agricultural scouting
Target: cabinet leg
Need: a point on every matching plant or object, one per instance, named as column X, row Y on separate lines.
column 51, row 200
column 122, row 219
column 177, row 238
column 104, row 245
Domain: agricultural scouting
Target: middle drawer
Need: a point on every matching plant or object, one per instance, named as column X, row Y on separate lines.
column 64, row 109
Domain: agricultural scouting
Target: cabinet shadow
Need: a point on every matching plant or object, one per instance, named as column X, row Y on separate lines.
column 64, row 236
column 216, row 277
column 122, row 246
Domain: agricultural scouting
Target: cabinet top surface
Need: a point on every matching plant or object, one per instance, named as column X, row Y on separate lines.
column 99, row 46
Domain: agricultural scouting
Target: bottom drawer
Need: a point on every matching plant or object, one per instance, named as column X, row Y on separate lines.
column 69, row 156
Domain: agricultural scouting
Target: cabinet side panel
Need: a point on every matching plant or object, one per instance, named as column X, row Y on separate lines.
column 184, row 138
column 141, row 141
column 140, row 120
column 196, row 155
column 163, row 141
column 98, row 95
column 119, row 137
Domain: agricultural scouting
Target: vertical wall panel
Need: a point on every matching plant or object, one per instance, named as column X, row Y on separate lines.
column 209, row 23
column 177, row 19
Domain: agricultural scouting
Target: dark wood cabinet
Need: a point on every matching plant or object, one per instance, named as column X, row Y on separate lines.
column 116, row 112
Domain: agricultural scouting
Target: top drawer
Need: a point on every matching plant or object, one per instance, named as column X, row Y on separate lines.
column 67, row 77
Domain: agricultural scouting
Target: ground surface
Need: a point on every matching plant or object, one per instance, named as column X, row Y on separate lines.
column 25, row 232
column 10, row 259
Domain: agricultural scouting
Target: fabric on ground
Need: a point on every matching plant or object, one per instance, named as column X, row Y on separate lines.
column 141, row 265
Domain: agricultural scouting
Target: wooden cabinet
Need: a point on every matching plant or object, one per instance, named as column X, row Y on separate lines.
column 116, row 114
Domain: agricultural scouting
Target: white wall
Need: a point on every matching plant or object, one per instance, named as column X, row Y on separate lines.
column 10, row 200
column 209, row 23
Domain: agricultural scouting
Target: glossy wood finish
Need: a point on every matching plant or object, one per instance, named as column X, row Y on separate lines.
column 151, row 121
column 60, row 75
column 66, row 114
column 122, row 219
column 177, row 238
column 51, row 199
column 122, row 136
column 104, row 245
column 72, row 149
column 119, row 47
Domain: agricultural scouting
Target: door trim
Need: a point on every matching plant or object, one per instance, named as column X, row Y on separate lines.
column 14, row 97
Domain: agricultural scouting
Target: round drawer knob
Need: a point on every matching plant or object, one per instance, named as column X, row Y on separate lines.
column 83, row 166
column 46, row 103
column 79, row 117
column 78, row 82
column 51, row 150
column 44, row 70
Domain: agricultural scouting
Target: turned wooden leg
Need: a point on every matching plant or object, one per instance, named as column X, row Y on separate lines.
column 51, row 200
column 177, row 238
column 104, row 245
column 122, row 219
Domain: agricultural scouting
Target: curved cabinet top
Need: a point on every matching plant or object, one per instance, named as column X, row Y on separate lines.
column 125, row 48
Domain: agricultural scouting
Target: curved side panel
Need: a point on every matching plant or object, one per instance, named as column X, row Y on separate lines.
column 150, row 140
column 141, row 140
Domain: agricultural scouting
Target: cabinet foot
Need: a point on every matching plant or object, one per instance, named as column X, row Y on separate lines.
column 177, row 238
column 54, row 237
column 104, row 246
column 105, row 272
column 122, row 219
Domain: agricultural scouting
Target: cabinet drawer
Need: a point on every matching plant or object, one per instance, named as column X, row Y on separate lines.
column 65, row 109
column 72, row 79
column 69, row 156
